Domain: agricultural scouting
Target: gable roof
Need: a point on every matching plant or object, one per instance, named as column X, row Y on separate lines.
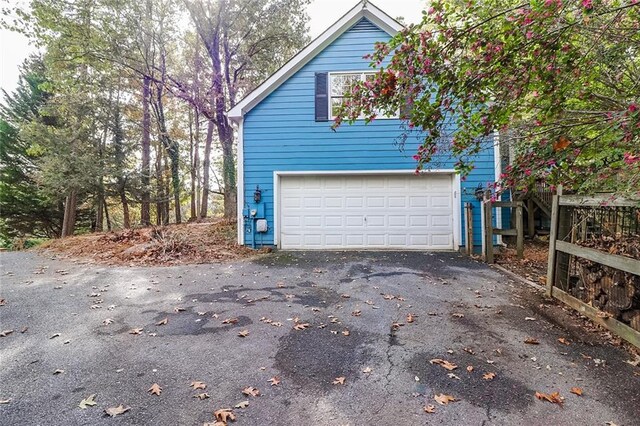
column 363, row 9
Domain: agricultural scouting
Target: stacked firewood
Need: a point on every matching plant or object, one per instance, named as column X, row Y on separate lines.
column 612, row 291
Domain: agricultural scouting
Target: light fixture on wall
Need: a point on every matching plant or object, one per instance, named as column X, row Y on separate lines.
column 479, row 192
column 257, row 195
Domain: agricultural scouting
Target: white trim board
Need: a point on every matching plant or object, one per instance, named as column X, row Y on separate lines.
column 240, row 182
column 456, row 193
column 497, row 167
column 363, row 9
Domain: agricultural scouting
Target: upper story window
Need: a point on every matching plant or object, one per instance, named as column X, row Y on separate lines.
column 340, row 84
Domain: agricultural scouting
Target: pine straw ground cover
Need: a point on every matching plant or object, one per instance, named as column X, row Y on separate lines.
column 165, row 245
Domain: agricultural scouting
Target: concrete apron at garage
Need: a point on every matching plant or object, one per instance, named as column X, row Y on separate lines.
column 466, row 313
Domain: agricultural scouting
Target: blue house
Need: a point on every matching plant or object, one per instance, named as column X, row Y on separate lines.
column 303, row 186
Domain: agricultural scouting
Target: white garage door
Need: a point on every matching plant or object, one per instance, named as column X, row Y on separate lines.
column 366, row 211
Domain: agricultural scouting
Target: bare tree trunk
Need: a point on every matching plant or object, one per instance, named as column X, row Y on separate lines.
column 225, row 132
column 167, row 191
column 159, row 187
column 204, row 207
column 192, row 195
column 125, row 209
column 69, row 221
column 99, row 213
column 145, row 213
column 196, row 160
column 106, row 215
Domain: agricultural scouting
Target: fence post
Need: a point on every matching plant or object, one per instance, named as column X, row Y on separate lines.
column 488, row 226
column 468, row 210
column 531, row 223
column 551, row 262
column 519, row 230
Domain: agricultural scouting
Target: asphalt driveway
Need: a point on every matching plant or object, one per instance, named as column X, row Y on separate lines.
column 356, row 307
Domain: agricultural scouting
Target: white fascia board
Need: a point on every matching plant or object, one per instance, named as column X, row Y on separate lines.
column 361, row 10
column 240, row 182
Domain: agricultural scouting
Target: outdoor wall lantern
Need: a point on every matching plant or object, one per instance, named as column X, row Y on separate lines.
column 257, row 195
column 479, row 192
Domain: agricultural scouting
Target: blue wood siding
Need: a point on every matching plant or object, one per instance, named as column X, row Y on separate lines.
column 280, row 133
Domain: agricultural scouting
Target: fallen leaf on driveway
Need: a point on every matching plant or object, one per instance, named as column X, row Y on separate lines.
column 54, row 336
column 88, row 401
column 243, row 333
column 136, row 331
column 198, row 385
column 24, row 330
column 114, row 411
column 430, row 408
column 155, row 389
column 3, row 302
column 458, row 315
column 367, row 370
column 470, row 368
column 443, row 399
column 224, row 415
column 443, row 363
column 564, row 341
column 163, row 322
column 489, row 376
column 243, row 404
column 388, row 297
column 230, row 321
column 554, row 397
column 453, row 376
column 251, row 391
column 531, row 341
column 107, row 321
column 396, row 325
column 58, row 372
column 529, row 319
column 275, row 381
column 5, row 401
column 345, row 296
column 576, row 391
column 356, row 313
column 301, row 326
column 201, row 396
column 178, row 309
column 5, row 333
column 339, row 381
column 411, row 318
column 346, row 332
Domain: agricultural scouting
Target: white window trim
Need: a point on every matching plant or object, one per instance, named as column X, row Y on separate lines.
column 455, row 193
column 362, row 73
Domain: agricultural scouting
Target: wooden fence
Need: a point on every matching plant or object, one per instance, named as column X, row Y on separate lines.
column 593, row 265
column 489, row 230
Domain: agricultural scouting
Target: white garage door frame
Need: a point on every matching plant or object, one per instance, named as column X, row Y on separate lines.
column 455, row 192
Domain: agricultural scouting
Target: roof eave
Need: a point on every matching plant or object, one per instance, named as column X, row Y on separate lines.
column 362, row 10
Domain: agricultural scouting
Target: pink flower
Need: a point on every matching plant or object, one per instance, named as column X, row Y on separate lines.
column 630, row 158
column 587, row 4
column 633, row 107
column 529, row 35
column 527, row 172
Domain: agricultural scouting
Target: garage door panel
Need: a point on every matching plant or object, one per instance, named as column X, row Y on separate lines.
column 354, row 221
column 375, row 221
column 421, row 201
column 441, row 240
column 375, row 202
column 355, row 240
column 407, row 211
column 397, row 202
